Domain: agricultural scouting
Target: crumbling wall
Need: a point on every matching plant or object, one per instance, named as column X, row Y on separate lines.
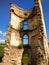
column 36, row 32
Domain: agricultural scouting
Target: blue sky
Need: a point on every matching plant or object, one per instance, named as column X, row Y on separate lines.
column 26, row 4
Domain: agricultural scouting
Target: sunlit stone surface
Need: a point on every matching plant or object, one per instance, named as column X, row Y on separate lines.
column 37, row 47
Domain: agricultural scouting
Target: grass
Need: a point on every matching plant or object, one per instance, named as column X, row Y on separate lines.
column 14, row 63
column 1, row 51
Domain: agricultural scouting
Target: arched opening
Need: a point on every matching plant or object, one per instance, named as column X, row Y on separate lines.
column 25, row 58
column 25, row 25
column 25, row 39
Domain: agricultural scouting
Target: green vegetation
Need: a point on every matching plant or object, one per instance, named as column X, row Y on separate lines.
column 25, row 59
column 19, row 47
column 48, row 44
column 14, row 46
column 14, row 63
column 1, row 51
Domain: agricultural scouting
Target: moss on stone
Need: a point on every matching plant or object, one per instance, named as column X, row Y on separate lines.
column 18, row 47
column 14, row 63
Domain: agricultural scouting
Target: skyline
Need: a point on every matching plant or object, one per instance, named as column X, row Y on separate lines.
column 26, row 5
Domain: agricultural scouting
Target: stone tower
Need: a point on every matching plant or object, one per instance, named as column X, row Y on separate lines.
column 37, row 46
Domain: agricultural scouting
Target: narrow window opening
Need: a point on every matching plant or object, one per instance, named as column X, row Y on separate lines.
column 25, row 25
column 25, row 39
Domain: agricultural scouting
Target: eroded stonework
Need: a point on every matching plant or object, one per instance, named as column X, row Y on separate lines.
column 38, row 45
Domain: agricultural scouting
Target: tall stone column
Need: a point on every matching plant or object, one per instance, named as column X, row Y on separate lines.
column 38, row 5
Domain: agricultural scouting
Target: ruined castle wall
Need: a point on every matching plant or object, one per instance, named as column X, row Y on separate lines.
column 37, row 44
column 33, row 23
column 15, row 38
column 15, row 34
column 40, row 14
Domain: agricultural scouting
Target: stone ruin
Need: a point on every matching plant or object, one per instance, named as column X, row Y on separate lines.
column 37, row 47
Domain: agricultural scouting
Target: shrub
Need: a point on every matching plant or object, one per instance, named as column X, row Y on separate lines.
column 20, row 46
column 25, row 59
column 1, row 51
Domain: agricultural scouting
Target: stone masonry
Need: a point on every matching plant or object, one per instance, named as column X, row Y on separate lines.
column 38, row 44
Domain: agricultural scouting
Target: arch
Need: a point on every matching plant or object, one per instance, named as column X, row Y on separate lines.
column 25, row 25
column 25, row 39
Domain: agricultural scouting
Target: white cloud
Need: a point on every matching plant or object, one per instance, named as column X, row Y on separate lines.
column 2, row 41
column 2, row 36
column 0, row 32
